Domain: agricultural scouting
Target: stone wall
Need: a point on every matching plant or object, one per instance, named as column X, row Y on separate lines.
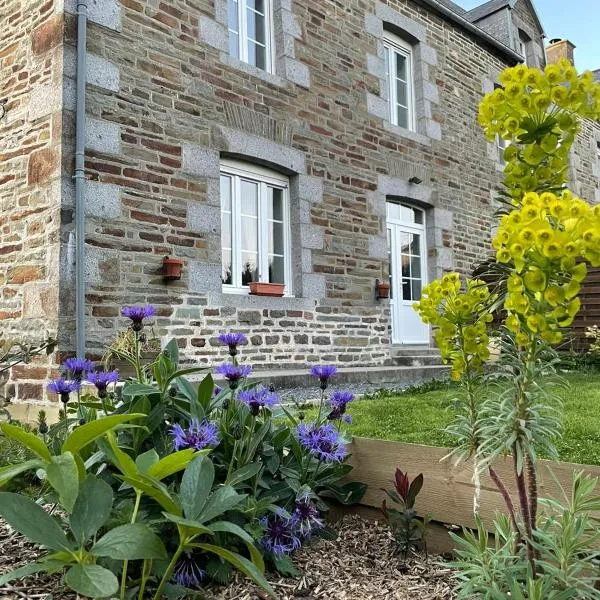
column 31, row 67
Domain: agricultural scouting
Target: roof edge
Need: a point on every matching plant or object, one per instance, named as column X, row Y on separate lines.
column 477, row 31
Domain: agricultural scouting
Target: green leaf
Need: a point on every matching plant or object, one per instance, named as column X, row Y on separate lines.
column 146, row 460
column 23, row 571
column 93, row 581
column 243, row 474
column 31, row 520
column 10, row 471
column 348, row 494
column 155, row 490
column 285, row 566
column 86, row 434
column 193, row 526
column 120, row 459
column 91, row 509
column 205, row 391
column 172, row 351
column 134, row 541
column 219, row 502
column 242, row 564
column 133, row 390
column 27, row 439
column 173, row 463
column 228, row 527
column 63, row 475
column 196, row 484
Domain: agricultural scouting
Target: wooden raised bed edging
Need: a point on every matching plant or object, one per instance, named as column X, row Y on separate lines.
column 447, row 494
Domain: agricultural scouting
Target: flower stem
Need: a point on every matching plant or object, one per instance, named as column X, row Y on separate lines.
column 136, row 507
column 145, row 574
column 169, row 571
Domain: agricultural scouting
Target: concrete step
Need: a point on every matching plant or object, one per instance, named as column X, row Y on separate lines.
column 415, row 356
column 394, row 376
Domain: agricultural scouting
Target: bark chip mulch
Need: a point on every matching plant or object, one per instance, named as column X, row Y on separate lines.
column 359, row 565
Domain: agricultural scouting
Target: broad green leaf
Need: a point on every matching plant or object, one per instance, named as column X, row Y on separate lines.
column 205, row 391
column 242, row 564
column 146, row 460
column 62, row 474
column 86, row 434
column 243, row 474
column 22, row 572
column 172, row 351
column 27, row 439
column 121, row 459
column 154, row 490
column 91, row 509
column 173, row 463
column 193, row 526
column 196, row 484
column 228, row 527
column 10, row 471
column 139, row 389
column 31, row 520
column 219, row 502
column 134, row 541
column 93, row 581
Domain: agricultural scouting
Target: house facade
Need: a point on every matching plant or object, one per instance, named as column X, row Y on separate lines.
column 324, row 146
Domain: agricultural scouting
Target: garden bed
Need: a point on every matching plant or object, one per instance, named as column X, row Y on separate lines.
column 358, row 565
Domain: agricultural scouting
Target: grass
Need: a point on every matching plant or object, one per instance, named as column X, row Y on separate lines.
column 419, row 417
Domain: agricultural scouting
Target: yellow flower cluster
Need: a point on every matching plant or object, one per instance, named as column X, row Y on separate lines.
column 460, row 318
column 537, row 112
column 548, row 239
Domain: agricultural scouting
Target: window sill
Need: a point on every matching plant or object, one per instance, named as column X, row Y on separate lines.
column 407, row 133
column 242, row 299
column 240, row 65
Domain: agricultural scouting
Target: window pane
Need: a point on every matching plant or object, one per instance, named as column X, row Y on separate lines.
column 415, row 246
column 276, row 269
column 405, row 266
column 418, row 214
column 257, row 5
column 226, row 230
column 401, row 92
column 402, row 113
column 226, row 273
column 225, row 192
column 249, row 197
column 249, row 267
column 275, row 204
column 416, row 289
column 405, row 240
column 256, row 26
column 233, row 15
column 407, row 214
column 276, row 245
column 234, row 45
column 401, row 66
column 256, row 55
column 249, row 234
column 406, row 292
column 416, row 267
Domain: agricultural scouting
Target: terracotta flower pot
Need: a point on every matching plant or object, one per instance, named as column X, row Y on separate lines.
column 383, row 289
column 172, row 268
column 258, row 288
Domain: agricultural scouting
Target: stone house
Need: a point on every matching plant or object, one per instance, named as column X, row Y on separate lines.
column 319, row 145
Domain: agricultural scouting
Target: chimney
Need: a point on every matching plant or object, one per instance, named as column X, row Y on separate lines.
column 558, row 49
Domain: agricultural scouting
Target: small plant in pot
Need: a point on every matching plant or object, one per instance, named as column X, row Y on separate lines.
column 408, row 528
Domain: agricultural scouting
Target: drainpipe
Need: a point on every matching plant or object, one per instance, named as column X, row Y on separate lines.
column 79, row 176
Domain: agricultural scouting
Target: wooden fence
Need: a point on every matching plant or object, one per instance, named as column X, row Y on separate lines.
column 590, row 309
column 447, row 495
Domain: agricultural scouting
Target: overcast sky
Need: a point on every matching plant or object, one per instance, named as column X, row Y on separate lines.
column 576, row 20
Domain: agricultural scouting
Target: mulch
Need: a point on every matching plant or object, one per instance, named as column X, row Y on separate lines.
column 359, row 565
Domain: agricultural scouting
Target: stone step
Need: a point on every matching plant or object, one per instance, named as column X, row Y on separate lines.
column 418, row 360
column 420, row 350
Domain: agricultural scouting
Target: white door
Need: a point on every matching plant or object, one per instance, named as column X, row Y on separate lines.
column 408, row 271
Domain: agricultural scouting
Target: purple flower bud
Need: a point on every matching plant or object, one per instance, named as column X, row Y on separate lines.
column 137, row 314
column 323, row 373
column 78, row 368
column 322, row 441
column 63, row 388
column 233, row 340
column 199, row 435
column 258, row 398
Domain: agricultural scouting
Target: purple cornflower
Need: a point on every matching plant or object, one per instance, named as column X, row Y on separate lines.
column 338, row 402
column 137, row 314
column 322, row 441
column 199, row 435
column 233, row 340
column 279, row 537
column 187, row 572
column 63, row 388
column 218, row 389
column 306, row 517
column 233, row 373
column 102, row 379
column 323, row 373
column 258, row 397
column 78, row 368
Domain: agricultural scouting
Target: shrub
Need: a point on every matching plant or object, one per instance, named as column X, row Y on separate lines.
column 226, row 477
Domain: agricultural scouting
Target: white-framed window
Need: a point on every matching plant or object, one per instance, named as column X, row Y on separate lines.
column 524, row 46
column 501, row 147
column 399, row 72
column 255, row 227
column 251, row 32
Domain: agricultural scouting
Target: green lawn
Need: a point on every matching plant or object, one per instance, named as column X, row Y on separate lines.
column 419, row 417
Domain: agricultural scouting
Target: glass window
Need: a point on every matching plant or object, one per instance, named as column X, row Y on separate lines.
column 250, row 32
column 398, row 64
column 255, row 235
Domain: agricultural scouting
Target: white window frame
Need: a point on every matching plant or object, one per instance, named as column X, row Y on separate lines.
column 396, row 45
column 500, row 147
column 265, row 178
column 243, row 35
